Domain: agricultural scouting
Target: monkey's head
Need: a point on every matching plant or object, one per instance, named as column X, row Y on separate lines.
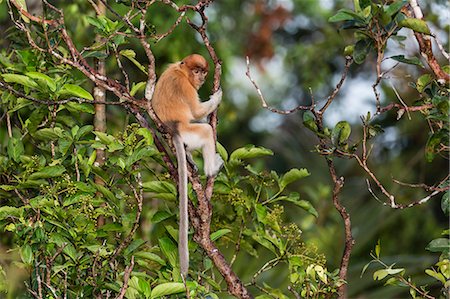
column 196, row 68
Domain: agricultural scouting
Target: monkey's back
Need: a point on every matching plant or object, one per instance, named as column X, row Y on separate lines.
column 173, row 96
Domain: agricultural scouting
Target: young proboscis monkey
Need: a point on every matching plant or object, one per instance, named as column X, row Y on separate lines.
column 178, row 106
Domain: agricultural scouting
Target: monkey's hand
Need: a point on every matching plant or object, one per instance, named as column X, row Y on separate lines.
column 216, row 98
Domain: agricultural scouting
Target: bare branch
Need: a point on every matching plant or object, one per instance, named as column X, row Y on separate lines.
column 263, row 100
column 126, row 277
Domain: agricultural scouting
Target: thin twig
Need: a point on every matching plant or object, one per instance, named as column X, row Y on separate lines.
column 263, row 100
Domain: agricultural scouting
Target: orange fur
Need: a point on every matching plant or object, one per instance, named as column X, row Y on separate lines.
column 177, row 105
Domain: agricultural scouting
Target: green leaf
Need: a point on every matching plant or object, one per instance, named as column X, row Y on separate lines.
column 380, row 274
column 161, row 216
column 167, row 288
column 44, row 78
column 105, row 191
column 433, row 143
column 15, row 148
column 391, row 271
column 293, row 175
column 130, row 54
column 150, row 256
column 345, row 15
column 366, row 13
column 20, row 79
column 26, row 254
column 7, row 211
column 144, row 287
column 83, row 131
column 95, row 54
column 81, row 107
column 417, row 25
column 439, row 245
column 48, row 172
column 395, row 7
column 104, row 138
column 309, row 121
column 445, row 203
column 340, row 133
column 294, row 198
column 413, row 60
column 261, row 213
column 134, row 245
column 423, row 82
column 144, row 132
column 222, row 151
column 76, row 91
column 49, row 134
column 249, row 152
column 23, row 4
column 362, row 48
column 70, row 251
column 436, row 275
column 140, row 154
column 137, row 87
column 221, row 232
column 378, row 249
column 160, row 187
column 170, row 250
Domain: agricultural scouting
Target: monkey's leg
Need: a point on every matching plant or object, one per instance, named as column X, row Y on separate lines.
column 201, row 136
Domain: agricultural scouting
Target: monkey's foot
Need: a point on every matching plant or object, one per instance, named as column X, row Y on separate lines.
column 218, row 162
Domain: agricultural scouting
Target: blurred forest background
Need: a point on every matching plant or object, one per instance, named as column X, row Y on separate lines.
column 293, row 49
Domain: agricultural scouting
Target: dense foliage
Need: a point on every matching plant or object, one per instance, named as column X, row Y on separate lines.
column 72, row 227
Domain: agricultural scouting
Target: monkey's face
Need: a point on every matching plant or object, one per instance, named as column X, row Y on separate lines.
column 198, row 77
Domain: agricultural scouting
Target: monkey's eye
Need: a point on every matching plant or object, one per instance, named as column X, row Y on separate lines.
column 196, row 71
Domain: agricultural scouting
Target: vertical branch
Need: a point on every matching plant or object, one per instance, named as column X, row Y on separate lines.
column 349, row 241
column 100, row 109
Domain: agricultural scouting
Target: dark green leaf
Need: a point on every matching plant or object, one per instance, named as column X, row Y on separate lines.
column 395, row 7
column 48, row 134
column 433, row 143
column 134, row 245
column 345, row 15
column 15, row 148
column 445, row 203
column 48, row 172
column 413, row 60
column 439, row 245
column 362, row 48
column 161, row 216
column 170, row 250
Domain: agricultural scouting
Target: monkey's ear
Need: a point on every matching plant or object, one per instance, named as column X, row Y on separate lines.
column 182, row 62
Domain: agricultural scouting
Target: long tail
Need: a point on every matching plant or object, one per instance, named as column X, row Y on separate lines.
column 183, row 250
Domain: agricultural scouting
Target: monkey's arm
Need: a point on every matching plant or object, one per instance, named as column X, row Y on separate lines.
column 203, row 109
